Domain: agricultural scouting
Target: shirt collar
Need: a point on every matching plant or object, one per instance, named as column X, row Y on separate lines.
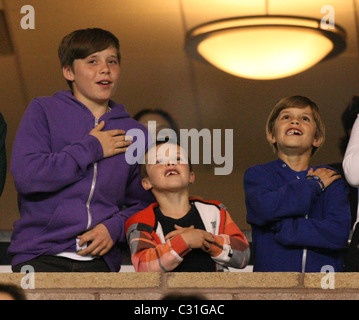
column 284, row 166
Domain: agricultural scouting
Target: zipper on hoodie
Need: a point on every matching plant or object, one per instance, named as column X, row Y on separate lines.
column 304, row 260
column 93, row 184
column 304, row 257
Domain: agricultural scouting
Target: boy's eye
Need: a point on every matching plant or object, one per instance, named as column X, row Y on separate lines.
column 161, row 161
column 92, row 61
column 306, row 119
column 182, row 160
column 113, row 61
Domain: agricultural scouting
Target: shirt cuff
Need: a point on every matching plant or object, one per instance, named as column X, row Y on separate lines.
column 216, row 247
column 180, row 246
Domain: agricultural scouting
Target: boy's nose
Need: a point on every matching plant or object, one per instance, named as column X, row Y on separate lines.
column 294, row 121
column 104, row 68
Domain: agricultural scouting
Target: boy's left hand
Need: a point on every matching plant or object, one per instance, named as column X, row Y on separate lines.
column 101, row 241
column 178, row 230
column 327, row 175
column 195, row 238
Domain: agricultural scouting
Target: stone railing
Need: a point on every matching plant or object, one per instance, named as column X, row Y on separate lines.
column 212, row 286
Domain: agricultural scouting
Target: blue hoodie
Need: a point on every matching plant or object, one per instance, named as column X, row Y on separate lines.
column 65, row 186
column 295, row 225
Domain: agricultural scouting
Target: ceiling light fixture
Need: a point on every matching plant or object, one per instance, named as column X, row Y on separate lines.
column 265, row 47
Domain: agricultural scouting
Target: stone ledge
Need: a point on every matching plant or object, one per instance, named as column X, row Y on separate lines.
column 233, row 280
column 219, row 286
column 341, row 280
column 87, row 280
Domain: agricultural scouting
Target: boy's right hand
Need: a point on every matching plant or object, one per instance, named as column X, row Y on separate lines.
column 195, row 238
column 113, row 141
column 327, row 175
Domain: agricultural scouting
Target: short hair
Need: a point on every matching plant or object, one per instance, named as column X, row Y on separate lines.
column 350, row 114
column 143, row 163
column 348, row 118
column 164, row 114
column 296, row 101
column 79, row 44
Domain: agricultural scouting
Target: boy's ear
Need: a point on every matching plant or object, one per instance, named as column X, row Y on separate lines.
column 68, row 73
column 318, row 142
column 192, row 177
column 146, row 184
column 271, row 138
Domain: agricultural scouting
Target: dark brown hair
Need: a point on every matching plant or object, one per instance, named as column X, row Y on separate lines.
column 164, row 114
column 349, row 116
column 81, row 43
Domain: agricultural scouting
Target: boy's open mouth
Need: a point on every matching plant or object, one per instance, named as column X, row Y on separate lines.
column 104, row 82
column 292, row 132
column 171, row 173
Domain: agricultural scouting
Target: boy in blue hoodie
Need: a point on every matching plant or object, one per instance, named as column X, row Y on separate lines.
column 69, row 165
column 299, row 214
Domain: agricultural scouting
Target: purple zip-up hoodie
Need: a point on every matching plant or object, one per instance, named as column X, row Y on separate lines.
column 65, row 186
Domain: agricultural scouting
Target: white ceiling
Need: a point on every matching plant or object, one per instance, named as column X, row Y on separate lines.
column 156, row 73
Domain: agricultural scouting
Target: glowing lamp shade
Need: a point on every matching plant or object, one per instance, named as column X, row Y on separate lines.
column 265, row 47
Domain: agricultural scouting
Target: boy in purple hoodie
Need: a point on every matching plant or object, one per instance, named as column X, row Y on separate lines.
column 75, row 187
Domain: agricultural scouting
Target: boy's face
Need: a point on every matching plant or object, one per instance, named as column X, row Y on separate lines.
column 295, row 131
column 171, row 172
column 95, row 77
